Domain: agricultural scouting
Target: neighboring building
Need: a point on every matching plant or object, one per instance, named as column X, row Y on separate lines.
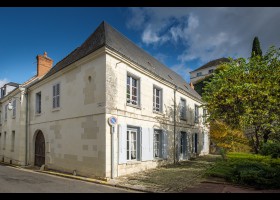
column 62, row 118
column 7, row 88
column 205, row 70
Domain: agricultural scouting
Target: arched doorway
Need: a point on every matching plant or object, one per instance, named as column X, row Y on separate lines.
column 39, row 149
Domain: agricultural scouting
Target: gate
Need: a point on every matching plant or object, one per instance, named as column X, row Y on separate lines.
column 40, row 149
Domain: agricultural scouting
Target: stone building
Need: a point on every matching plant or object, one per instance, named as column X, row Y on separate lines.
column 61, row 117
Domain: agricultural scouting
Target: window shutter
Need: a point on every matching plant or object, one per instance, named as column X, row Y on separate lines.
column 122, row 143
column 54, row 103
column 164, row 144
column 151, row 144
column 178, row 146
column 145, row 144
column 58, row 95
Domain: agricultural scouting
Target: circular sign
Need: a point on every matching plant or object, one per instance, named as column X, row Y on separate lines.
column 112, row 120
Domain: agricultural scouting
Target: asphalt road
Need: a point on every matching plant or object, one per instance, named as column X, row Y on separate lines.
column 14, row 180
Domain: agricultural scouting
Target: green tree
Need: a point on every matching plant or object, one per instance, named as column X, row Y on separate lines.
column 256, row 48
column 245, row 94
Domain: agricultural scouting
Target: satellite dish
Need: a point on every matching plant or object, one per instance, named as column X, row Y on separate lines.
column 10, row 106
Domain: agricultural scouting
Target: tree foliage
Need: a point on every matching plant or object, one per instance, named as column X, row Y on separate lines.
column 256, row 48
column 245, row 94
column 227, row 138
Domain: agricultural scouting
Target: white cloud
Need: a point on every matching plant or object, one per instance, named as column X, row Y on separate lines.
column 3, row 82
column 182, row 70
column 207, row 33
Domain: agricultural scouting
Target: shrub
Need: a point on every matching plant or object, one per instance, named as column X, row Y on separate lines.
column 271, row 148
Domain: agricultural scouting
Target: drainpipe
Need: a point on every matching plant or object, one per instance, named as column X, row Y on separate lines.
column 26, row 126
column 176, row 88
column 112, row 151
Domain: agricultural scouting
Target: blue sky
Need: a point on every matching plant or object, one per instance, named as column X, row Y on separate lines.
column 181, row 38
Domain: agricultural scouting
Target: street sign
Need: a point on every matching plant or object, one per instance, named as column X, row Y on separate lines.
column 112, row 120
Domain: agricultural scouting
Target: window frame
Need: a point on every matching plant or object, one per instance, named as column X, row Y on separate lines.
column 210, row 71
column 138, row 81
column 184, row 117
column 38, row 105
column 56, row 95
column 4, row 142
column 196, row 113
column 6, row 112
column 155, row 88
column 14, row 111
column 160, row 144
column 128, row 142
column 13, row 137
column 199, row 74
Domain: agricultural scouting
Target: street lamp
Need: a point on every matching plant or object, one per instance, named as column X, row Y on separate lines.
column 10, row 105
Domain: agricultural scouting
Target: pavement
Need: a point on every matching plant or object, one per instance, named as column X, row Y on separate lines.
column 208, row 186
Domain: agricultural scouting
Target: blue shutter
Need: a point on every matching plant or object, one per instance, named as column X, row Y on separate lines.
column 145, row 144
column 151, row 144
column 178, row 145
column 164, row 144
column 122, row 143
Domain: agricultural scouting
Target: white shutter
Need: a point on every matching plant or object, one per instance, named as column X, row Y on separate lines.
column 164, row 144
column 151, row 144
column 145, row 144
column 122, row 143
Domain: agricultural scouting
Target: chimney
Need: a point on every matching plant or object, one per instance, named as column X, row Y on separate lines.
column 191, row 85
column 44, row 64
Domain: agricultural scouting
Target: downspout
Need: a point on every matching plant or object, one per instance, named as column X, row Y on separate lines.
column 176, row 87
column 26, row 127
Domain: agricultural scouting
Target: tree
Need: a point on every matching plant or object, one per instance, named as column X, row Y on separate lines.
column 256, row 48
column 227, row 138
column 245, row 95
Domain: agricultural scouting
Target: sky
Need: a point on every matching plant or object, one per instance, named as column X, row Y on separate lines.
column 182, row 38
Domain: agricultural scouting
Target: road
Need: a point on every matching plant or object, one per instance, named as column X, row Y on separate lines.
column 14, row 180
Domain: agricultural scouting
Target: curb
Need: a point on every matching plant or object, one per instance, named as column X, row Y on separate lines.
column 91, row 180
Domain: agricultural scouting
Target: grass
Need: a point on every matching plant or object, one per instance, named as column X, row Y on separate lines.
column 248, row 169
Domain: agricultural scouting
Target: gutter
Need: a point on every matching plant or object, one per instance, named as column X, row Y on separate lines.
column 26, row 126
column 176, row 88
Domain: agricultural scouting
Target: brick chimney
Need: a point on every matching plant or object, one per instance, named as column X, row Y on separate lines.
column 44, row 64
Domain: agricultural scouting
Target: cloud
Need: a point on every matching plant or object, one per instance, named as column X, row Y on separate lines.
column 3, row 82
column 206, row 34
column 182, row 70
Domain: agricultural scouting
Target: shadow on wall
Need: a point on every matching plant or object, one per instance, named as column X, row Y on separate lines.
column 188, row 125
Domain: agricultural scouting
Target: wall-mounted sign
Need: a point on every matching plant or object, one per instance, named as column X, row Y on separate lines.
column 112, row 120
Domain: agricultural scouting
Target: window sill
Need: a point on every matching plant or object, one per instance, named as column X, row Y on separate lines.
column 183, row 119
column 13, row 117
column 158, row 112
column 37, row 114
column 134, row 106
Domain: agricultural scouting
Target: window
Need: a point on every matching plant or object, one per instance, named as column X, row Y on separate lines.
column 132, row 90
column 157, row 99
column 199, row 74
column 132, row 144
column 6, row 112
column 38, row 102
column 204, row 115
column 0, row 139
column 13, row 141
column 158, row 138
column 183, row 145
column 4, row 145
column 211, row 71
column 56, row 95
column 14, row 108
column 196, row 113
column 183, row 109
column 0, row 118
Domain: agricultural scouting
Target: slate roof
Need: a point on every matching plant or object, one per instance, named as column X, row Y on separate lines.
column 212, row 63
column 106, row 35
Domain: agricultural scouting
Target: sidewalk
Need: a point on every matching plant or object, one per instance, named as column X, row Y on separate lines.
column 172, row 179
